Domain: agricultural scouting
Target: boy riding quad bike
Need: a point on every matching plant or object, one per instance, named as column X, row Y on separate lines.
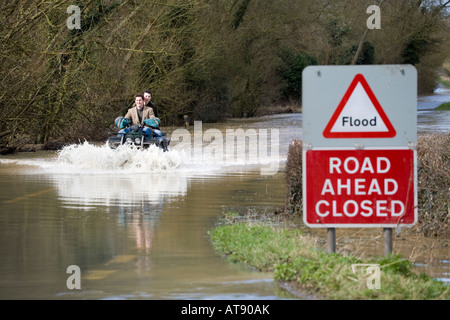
column 139, row 136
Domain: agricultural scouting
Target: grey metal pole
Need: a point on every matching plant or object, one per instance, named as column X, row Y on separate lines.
column 387, row 241
column 331, row 238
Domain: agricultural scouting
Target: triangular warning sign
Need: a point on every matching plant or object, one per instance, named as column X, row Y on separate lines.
column 359, row 115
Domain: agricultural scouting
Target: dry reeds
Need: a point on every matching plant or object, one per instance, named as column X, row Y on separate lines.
column 433, row 169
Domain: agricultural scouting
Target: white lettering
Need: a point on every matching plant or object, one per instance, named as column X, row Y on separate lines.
column 355, row 206
column 319, row 213
column 359, row 186
column 367, row 166
column 198, row 310
column 400, row 211
column 327, row 188
column 215, row 149
column 373, row 281
column 74, row 281
column 352, row 165
column 335, row 163
column 366, row 205
column 74, row 21
column 381, row 208
column 344, row 187
column 356, row 165
column 341, row 186
column 374, row 187
column 238, row 147
column 374, row 21
column 335, row 213
column 394, row 185
column 365, row 208
column 371, row 275
column 387, row 165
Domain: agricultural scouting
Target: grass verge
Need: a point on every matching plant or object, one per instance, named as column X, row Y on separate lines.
column 444, row 82
column 294, row 257
column 444, row 107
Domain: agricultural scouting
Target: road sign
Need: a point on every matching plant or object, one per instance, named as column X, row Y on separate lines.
column 359, row 146
column 359, row 114
column 360, row 188
column 394, row 89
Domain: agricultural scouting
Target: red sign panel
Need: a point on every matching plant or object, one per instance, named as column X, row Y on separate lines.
column 360, row 188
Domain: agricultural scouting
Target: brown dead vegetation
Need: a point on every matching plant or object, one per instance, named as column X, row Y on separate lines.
column 206, row 59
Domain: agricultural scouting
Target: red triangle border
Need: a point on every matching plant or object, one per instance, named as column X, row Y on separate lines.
column 359, row 78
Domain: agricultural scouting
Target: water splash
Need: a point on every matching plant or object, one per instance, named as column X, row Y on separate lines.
column 89, row 157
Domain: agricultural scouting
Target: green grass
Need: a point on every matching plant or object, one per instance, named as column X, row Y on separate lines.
column 295, row 257
column 445, row 83
column 444, row 106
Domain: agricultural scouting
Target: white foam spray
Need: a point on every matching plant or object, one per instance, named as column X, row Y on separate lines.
column 125, row 159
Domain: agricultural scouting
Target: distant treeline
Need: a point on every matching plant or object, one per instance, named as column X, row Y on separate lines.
column 209, row 59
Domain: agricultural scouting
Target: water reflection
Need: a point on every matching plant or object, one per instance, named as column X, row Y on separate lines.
column 136, row 201
column 135, row 192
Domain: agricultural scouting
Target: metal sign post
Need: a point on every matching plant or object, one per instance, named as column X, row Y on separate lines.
column 387, row 241
column 359, row 156
column 331, row 240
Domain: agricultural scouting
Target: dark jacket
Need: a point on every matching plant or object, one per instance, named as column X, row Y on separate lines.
column 153, row 106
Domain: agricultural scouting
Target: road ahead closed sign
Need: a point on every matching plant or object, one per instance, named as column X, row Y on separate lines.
column 360, row 187
column 359, row 156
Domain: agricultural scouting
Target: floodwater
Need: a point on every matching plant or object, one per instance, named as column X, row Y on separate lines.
column 136, row 223
column 429, row 119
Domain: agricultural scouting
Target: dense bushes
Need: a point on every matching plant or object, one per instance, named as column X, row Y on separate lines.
column 433, row 154
column 207, row 59
column 294, row 177
column 291, row 73
column 433, row 170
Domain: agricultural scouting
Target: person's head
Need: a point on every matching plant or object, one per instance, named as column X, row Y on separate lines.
column 147, row 96
column 139, row 101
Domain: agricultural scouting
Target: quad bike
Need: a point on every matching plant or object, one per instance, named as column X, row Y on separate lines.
column 139, row 136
